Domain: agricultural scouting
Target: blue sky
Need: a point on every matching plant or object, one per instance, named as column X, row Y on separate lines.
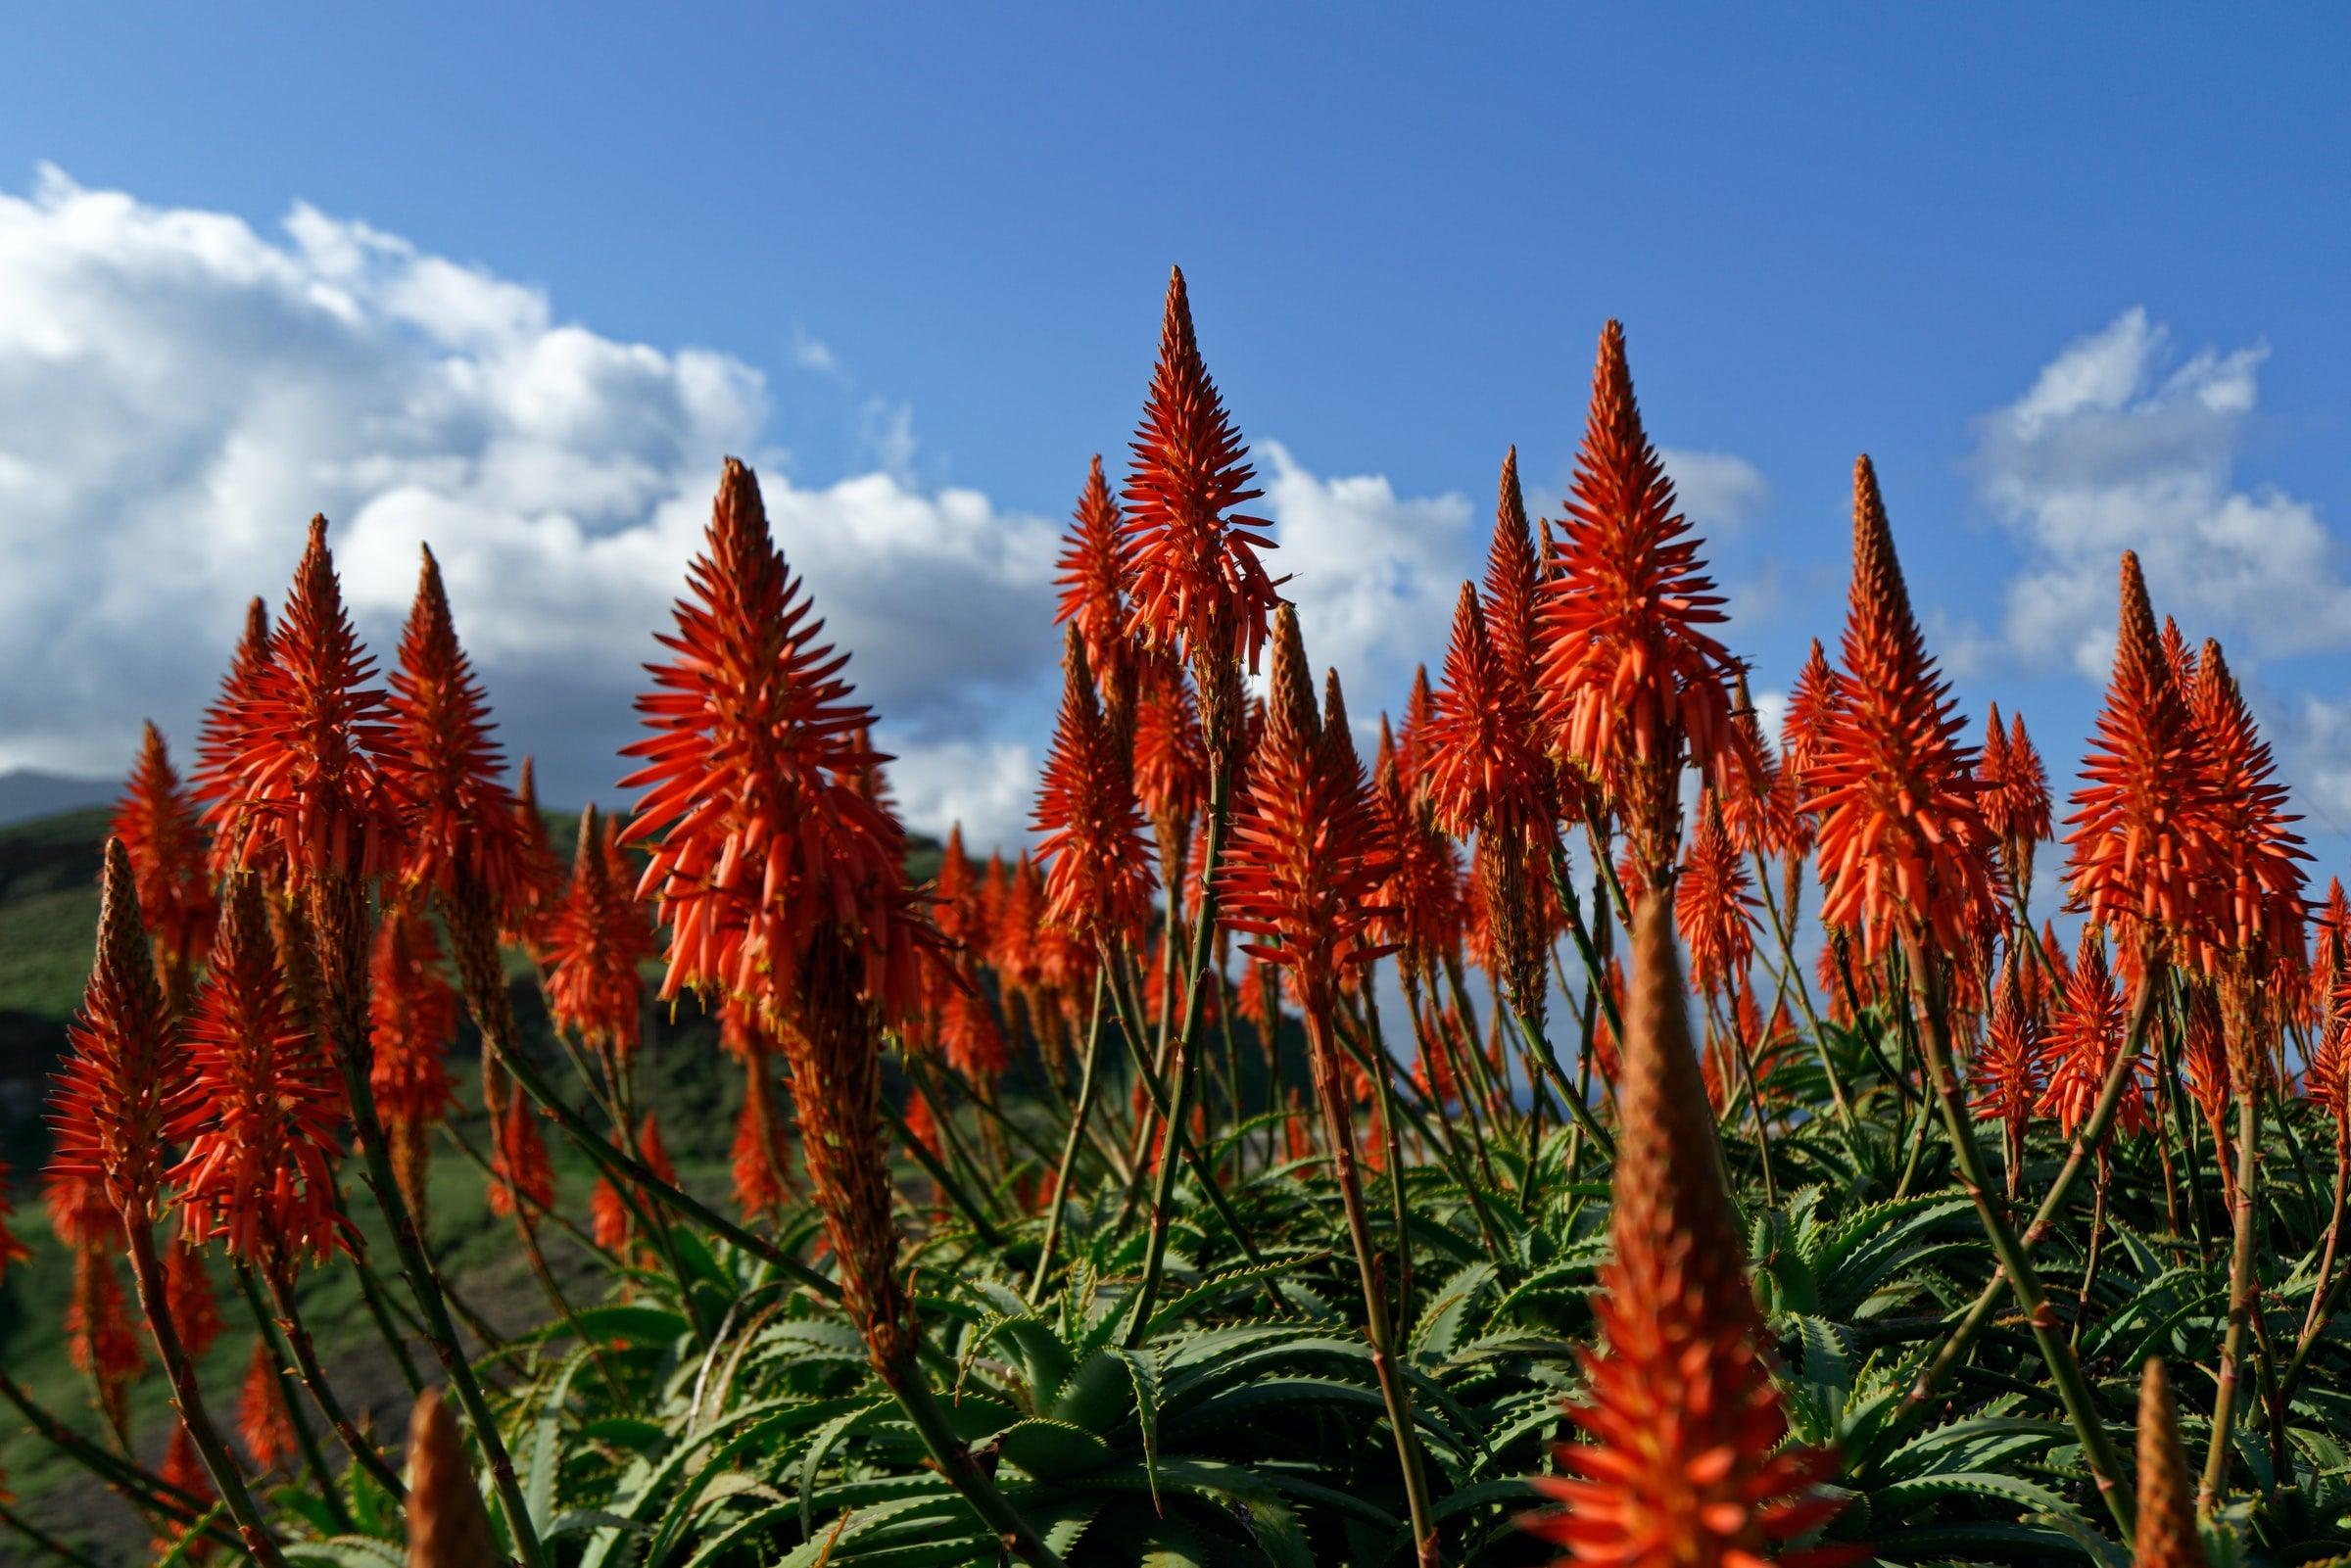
column 912, row 261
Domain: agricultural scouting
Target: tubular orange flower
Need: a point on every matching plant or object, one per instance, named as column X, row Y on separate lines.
column 607, row 1214
column 1171, row 763
column 461, row 827
column 412, row 1017
column 1484, row 771
column 761, row 1156
column 520, row 1162
column 1097, row 868
column 970, row 1038
column 2259, row 854
column 752, row 780
column 2167, row 1535
column 100, row 1340
column 2329, row 952
column 1302, row 868
column 2178, row 658
column 259, row 1121
column 1512, row 586
column 158, row 823
column 1712, row 905
column 2009, row 1070
column 1631, row 681
column 1195, row 581
column 1095, row 565
column 1424, row 886
column 2084, row 1038
column 185, row 1470
column 306, row 791
column 1411, row 738
column 542, row 884
column 2204, row 1063
column 955, row 896
column 2140, row 841
column 1810, row 703
column 221, row 742
column 1687, row 1462
column 127, row 1074
column 598, row 938
column 188, row 1295
column 263, row 1422
column 1903, row 846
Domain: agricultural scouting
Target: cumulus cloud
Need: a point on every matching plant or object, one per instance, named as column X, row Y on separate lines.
column 179, row 391
column 1373, row 573
column 1719, row 491
column 2122, row 444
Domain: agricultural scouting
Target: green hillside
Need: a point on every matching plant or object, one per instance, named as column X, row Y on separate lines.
column 48, row 912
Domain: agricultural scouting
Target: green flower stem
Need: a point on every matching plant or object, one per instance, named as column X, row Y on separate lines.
column 1088, row 1082
column 2072, row 1389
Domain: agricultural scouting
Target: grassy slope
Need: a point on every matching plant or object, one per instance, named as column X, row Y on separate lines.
column 48, row 911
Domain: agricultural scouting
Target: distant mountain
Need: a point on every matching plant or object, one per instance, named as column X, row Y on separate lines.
column 26, row 794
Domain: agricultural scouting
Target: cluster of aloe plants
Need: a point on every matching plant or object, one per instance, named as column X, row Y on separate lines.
column 1449, row 1160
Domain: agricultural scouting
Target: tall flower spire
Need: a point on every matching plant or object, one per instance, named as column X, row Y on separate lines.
column 411, row 1021
column 534, row 901
column 220, row 742
column 126, row 1074
column 1512, row 585
column 2167, row 1535
column 156, row 821
column 2260, row 856
column 1687, row 1462
column 1631, row 678
column 305, row 790
column 2139, row 833
column 598, row 938
column 259, row 1121
column 1095, row 567
column 1097, row 866
column 2084, row 1037
column 1195, row 580
column 1903, row 846
column 763, row 843
column 1303, row 869
column 461, row 826
column 1713, row 906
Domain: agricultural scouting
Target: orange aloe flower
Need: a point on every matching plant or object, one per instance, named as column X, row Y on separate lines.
column 761, row 1155
column 761, row 834
column 1712, row 905
column 2167, row 1535
column 184, row 1468
column 2010, row 1071
column 2084, row 1037
column 599, row 936
column 520, row 1162
column 220, row 742
column 159, row 825
column 1484, row 773
column 412, row 1020
column 1687, row 1461
column 305, row 793
column 2329, row 956
column 1195, row 580
column 263, row 1422
column 1424, row 886
column 1904, row 845
column 259, row 1120
column 188, row 1299
column 608, row 1214
column 2139, row 835
column 2326, row 1083
column 1632, row 682
column 462, row 831
column 1304, row 870
column 1097, row 873
column 541, row 888
column 1512, row 591
column 126, row 1077
column 955, row 896
column 1094, row 566
column 101, row 1340
column 1411, row 735
column 2258, row 853
column 1810, row 703
column 1171, row 760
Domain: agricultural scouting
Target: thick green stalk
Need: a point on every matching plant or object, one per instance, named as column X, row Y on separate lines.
column 1180, row 1064
column 147, row 1274
column 2241, row 1288
column 1087, row 1082
column 2072, row 1389
column 1338, row 1126
column 138, row 1486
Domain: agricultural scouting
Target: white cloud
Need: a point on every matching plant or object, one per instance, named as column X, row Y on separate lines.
column 990, row 787
column 1719, row 491
column 2119, row 445
column 178, row 393
column 1374, row 575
